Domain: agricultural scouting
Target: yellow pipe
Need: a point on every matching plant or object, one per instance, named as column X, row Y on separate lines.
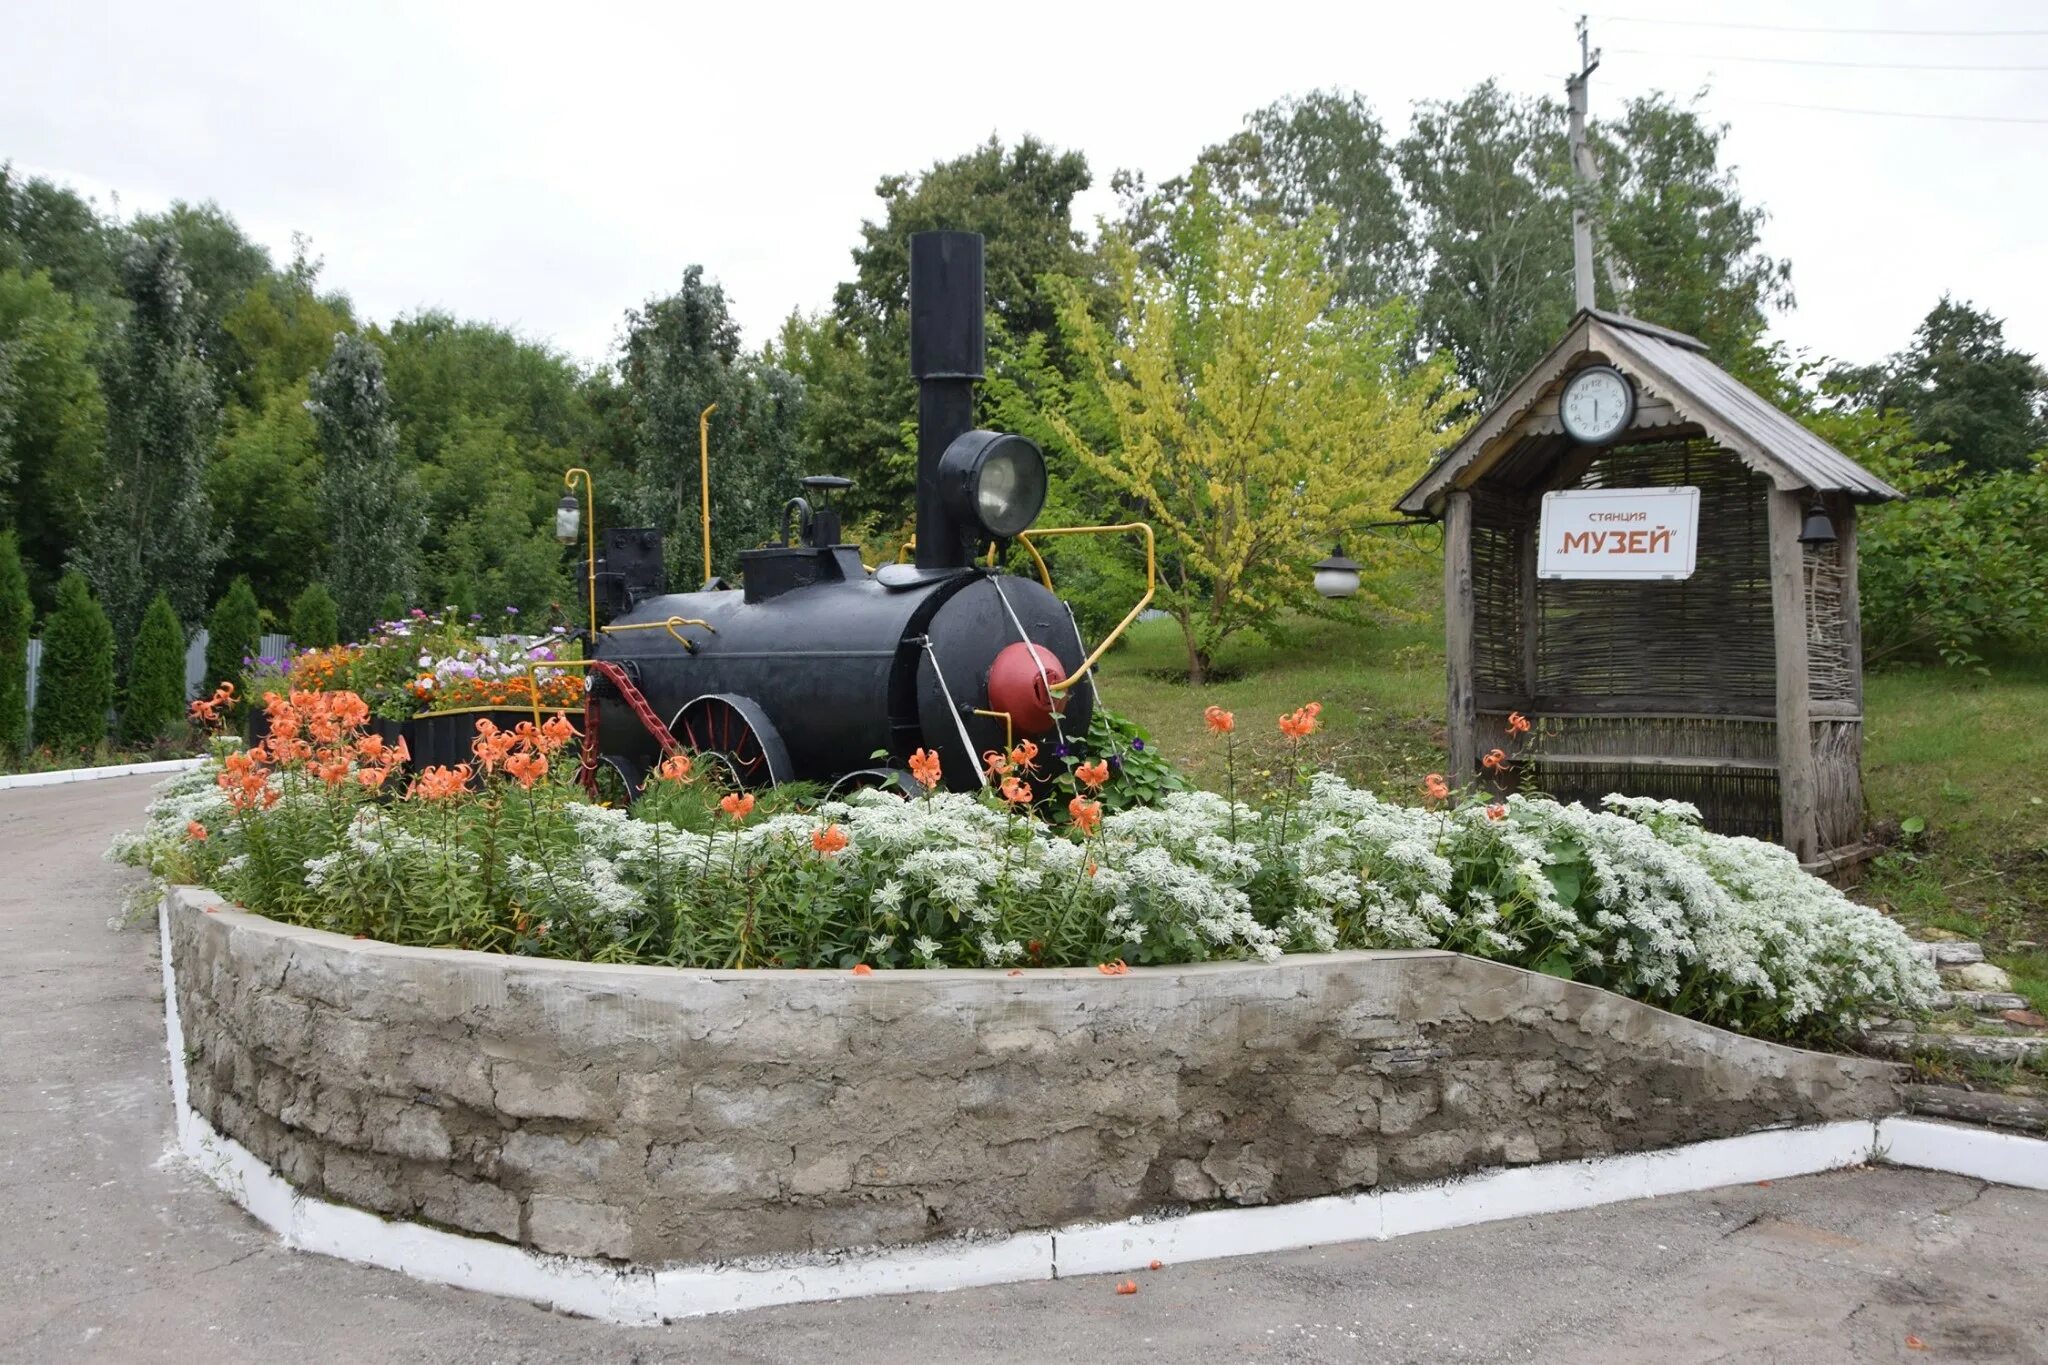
column 590, row 529
column 1151, row 586
column 533, row 667
column 704, row 479
column 669, row 626
column 1009, row 726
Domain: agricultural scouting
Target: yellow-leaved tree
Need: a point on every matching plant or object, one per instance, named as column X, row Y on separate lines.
column 1253, row 422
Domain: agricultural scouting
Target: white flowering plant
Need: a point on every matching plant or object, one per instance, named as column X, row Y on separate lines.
column 319, row 827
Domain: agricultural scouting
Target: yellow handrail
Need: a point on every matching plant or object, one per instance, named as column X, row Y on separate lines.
column 1009, row 725
column 670, row 626
column 533, row 667
column 590, row 526
column 1151, row 585
column 704, row 479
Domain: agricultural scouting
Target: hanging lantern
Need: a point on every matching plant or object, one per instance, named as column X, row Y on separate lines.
column 568, row 519
column 1336, row 576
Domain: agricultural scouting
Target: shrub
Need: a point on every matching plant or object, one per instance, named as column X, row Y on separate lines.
column 17, row 619
column 315, row 622
column 155, row 698
column 231, row 634
column 1638, row 899
column 76, row 686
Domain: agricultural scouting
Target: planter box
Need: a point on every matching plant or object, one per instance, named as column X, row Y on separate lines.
column 443, row 737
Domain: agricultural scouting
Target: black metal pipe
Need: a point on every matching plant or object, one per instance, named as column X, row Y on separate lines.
column 946, row 359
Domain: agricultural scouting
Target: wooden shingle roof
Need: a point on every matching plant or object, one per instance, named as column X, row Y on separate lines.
column 1673, row 367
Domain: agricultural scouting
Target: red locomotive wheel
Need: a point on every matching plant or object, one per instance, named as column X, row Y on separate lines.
column 735, row 733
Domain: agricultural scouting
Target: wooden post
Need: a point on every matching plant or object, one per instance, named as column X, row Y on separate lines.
column 1460, row 712
column 1852, row 596
column 1798, row 784
column 1530, row 546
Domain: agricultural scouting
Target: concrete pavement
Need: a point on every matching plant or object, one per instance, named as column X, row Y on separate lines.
column 110, row 1252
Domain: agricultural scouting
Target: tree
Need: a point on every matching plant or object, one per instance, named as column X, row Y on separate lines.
column 367, row 497
column 1325, row 153
column 264, row 484
column 48, row 227
column 314, row 622
column 75, row 688
column 680, row 354
column 154, row 699
column 152, row 528
column 53, row 424
column 17, row 619
column 1021, row 200
column 232, row 633
column 223, row 266
column 1961, row 385
column 1255, row 421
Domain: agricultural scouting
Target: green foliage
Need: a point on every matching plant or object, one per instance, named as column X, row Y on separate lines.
column 48, row 227
column 75, row 686
column 314, row 622
column 154, row 699
column 52, row 423
column 1962, row 387
column 368, row 498
column 221, row 264
column 264, row 484
column 231, row 635
column 1255, row 422
column 17, row 620
column 152, row 528
column 682, row 353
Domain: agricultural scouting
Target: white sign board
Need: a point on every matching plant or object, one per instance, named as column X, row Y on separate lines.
column 1619, row 533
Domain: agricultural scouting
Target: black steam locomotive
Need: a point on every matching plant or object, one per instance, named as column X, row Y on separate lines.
column 820, row 669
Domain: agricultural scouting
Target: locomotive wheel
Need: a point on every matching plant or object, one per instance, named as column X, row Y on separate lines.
column 896, row 780
column 738, row 734
column 617, row 781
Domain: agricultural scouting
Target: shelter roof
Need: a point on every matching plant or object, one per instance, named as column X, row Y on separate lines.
column 1665, row 365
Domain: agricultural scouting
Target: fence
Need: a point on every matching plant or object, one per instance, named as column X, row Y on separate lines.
column 267, row 647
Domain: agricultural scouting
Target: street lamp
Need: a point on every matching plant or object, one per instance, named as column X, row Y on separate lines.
column 567, row 517
column 1337, row 576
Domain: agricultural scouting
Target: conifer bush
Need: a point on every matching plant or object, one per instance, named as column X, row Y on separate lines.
column 17, row 619
column 76, row 686
column 231, row 634
column 315, row 620
column 156, row 676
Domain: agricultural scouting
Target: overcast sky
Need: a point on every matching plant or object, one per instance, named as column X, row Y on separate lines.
column 548, row 166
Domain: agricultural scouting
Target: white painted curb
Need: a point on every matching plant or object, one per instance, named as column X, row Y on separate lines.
column 64, row 775
column 647, row 1295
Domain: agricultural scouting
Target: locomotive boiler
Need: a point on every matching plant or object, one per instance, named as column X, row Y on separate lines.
column 818, row 668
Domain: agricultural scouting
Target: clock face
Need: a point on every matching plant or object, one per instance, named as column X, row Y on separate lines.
column 1597, row 404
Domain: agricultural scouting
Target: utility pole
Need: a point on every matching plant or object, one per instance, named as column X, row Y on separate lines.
column 1584, row 173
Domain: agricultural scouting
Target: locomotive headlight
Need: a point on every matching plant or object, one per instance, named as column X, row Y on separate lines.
column 993, row 480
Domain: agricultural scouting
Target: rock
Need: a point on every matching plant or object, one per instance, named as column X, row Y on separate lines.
column 1978, row 1046
column 2027, row 1018
column 1521, row 1149
column 572, row 1227
column 1981, row 976
column 1949, row 954
column 1983, row 1002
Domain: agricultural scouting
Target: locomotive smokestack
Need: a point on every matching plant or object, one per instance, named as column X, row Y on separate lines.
column 946, row 350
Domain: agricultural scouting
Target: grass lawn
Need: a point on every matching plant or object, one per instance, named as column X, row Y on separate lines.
column 1953, row 760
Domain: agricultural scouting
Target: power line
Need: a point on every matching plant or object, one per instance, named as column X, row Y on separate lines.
column 1818, row 28
column 1815, row 61
column 1899, row 113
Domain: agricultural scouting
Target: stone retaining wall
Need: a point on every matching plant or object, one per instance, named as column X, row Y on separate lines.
column 657, row 1116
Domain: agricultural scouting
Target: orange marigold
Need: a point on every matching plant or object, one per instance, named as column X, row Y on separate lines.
column 924, row 766
column 1093, row 775
column 1220, row 721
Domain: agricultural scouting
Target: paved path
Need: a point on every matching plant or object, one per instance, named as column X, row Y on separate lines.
column 108, row 1252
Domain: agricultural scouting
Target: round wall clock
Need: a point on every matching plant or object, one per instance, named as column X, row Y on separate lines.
column 1597, row 405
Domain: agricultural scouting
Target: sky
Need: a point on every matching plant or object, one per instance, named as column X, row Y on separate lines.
column 549, row 166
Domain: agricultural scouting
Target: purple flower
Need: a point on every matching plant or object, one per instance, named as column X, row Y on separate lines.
column 511, row 611
column 1116, row 762
column 476, row 616
column 1137, row 746
column 1061, row 750
column 419, row 614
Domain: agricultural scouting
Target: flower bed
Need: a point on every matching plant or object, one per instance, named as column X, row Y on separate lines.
column 505, row 854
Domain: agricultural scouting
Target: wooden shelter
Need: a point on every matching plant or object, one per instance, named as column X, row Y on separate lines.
column 1738, row 688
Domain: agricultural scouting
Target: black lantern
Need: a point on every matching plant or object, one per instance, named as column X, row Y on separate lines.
column 1336, row 576
column 1819, row 528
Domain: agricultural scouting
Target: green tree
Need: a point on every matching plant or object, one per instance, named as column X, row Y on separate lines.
column 232, row 633
column 1960, row 384
column 48, row 227
column 1021, row 200
column 52, row 426
column 281, row 330
column 154, row 698
column 682, row 353
column 17, row 619
column 152, row 527
column 315, row 623
column 1255, row 421
column 367, row 496
column 75, row 687
column 223, row 266
column 1321, row 154
column 264, row 484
